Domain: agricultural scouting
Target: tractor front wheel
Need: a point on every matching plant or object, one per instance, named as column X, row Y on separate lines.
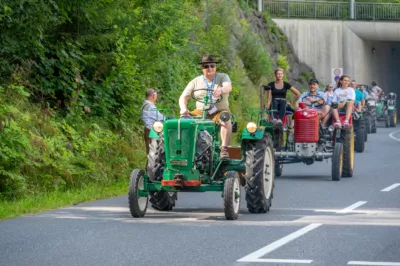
column 232, row 195
column 260, row 174
column 160, row 200
column 137, row 204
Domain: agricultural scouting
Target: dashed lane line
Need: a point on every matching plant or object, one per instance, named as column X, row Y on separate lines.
column 256, row 255
column 389, row 188
column 373, row 263
column 352, row 207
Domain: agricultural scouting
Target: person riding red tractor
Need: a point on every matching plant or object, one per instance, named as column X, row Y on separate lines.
column 317, row 136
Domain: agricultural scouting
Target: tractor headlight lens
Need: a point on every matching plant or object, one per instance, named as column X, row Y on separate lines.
column 251, row 127
column 158, row 126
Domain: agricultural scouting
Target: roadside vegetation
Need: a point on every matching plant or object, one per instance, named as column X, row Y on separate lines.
column 72, row 80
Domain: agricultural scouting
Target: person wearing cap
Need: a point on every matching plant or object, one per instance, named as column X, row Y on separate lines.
column 149, row 115
column 316, row 100
column 217, row 85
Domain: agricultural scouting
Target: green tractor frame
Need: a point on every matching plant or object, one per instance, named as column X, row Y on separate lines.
column 184, row 157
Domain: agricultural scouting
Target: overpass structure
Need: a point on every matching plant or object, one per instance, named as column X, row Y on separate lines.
column 362, row 38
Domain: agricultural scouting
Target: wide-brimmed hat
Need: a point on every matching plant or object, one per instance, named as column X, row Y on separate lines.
column 208, row 58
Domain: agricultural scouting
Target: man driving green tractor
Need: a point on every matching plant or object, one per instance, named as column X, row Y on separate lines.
column 220, row 83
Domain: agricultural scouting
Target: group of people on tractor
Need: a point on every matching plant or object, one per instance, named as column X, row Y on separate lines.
column 344, row 95
column 218, row 85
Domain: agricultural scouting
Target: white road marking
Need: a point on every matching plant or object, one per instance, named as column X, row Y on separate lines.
column 280, row 261
column 352, row 207
column 373, row 263
column 256, row 255
column 393, row 137
column 389, row 188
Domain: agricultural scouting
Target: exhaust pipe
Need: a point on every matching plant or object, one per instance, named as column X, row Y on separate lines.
column 294, row 154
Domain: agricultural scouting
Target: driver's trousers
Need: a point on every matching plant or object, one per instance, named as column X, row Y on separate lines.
column 280, row 105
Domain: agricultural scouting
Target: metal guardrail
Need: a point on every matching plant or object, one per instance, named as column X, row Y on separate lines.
column 332, row 10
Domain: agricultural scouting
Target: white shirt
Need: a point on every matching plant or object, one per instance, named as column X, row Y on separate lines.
column 341, row 95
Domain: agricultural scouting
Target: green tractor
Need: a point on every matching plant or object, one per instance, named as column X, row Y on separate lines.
column 386, row 110
column 184, row 157
column 390, row 112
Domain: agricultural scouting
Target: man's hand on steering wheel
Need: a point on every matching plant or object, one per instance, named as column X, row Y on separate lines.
column 184, row 112
column 218, row 92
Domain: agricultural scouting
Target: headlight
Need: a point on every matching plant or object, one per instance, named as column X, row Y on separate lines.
column 158, row 126
column 251, row 127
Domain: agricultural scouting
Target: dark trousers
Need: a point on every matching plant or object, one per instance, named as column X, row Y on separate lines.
column 147, row 141
column 279, row 105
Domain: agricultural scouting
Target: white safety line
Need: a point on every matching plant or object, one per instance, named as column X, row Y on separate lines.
column 374, row 263
column 393, row 137
column 280, row 261
column 352, row 207
column 389, row 188
column 256, row 255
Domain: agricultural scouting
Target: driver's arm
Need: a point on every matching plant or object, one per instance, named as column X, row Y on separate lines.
column 185, row 96
column 226, row 87
column 296, row 93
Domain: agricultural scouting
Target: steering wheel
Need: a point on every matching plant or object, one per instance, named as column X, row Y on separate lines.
column 202, row 100
column 314, row 104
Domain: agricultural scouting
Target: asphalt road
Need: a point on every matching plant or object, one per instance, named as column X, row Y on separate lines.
column 313, row 221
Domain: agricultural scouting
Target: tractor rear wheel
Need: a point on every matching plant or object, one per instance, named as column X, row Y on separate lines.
column 260, row 174
column 137, row 204
column 232, row 195
column 160, row 200
column 359, row 128
column 347, row 139
column 337, row 161
column 278, row 169
column 368, row 124
column 392, row 118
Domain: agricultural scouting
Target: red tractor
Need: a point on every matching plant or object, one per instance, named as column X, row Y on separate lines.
column 308, row 142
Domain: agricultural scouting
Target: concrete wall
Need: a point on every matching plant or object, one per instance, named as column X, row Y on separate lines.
column 324, row 44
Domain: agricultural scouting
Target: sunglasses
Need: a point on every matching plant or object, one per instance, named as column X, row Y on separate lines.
column 209, row 66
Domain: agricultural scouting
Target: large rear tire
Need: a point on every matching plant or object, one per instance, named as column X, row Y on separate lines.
column 368, row 125
column 347, row 139
column 137, row 204
column 337, row 162
column 260, row 174
column 392, row 118
column 373, row 120
column 232, row 195
column 359, row 128
column 160, row 200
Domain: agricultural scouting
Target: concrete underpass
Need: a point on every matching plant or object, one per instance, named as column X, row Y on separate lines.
column 366, row 50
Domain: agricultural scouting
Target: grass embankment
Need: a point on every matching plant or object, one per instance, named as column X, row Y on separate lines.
column 70, row 128
column 57, row 199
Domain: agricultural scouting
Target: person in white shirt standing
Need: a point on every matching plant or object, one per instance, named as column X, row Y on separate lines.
column 345, row 97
